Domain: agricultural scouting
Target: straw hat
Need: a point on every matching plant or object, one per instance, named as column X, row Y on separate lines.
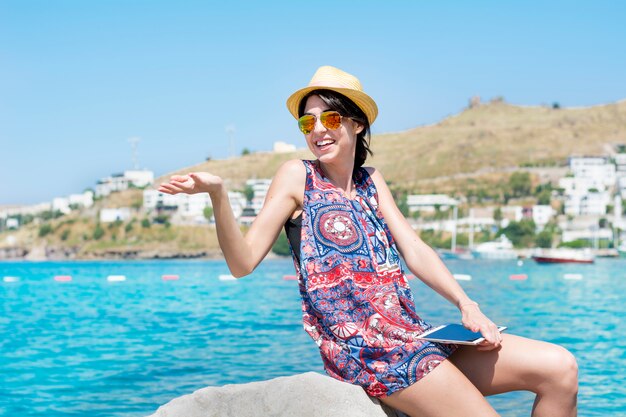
column 331, row 78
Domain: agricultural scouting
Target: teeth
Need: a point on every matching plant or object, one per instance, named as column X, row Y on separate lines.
column 324, row 142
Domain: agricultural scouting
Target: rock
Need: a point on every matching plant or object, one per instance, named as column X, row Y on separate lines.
column 37, row 253
column 304, row 395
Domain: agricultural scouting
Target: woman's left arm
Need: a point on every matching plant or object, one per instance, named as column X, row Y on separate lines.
column 422, row 260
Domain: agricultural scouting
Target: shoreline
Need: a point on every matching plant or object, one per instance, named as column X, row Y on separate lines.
column 44, row 255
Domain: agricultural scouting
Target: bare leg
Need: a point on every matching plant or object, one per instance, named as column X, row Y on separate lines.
column 546, row 369
column 444, row 392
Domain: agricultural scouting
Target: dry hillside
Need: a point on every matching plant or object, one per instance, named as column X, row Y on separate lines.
column 479, row 141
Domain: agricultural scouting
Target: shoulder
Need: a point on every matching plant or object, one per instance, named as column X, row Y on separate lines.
column 291, row 177
column 376, row 176
column 292, row 168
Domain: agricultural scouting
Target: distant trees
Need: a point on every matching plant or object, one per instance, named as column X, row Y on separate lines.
column 520, row 184
column 281, row 246
column 521, row 234
column 208, row 213
column 248, row 192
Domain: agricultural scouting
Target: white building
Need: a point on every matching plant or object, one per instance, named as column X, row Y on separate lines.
column 591, row 234
column 61, row 204
column 139, row 178
column 82, row 200
column 282, row 147
column 192, row 206
column 120, row 182
column 153, row 199
column 24, row 210
column 542, row 215
column 621, row 187
column 593, row 167
column 429, row 202
column 620, row 163
column 12, row 223
column 106, row 186
column 109, row 215
column 588, row 191
column 237, row 202
column 260, row 188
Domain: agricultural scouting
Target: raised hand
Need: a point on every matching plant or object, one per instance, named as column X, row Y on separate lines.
column 192, row 183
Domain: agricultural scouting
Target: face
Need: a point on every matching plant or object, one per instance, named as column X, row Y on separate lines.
column 330, row 145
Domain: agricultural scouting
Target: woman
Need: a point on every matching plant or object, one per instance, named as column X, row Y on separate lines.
column 346, row 235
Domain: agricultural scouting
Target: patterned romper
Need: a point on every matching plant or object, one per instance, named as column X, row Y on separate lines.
column 356, row 302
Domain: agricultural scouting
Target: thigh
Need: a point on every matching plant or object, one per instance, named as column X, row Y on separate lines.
column 445, row 391
column 519, row 364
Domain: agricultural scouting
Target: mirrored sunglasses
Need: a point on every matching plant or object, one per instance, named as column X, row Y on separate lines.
column 331, row 120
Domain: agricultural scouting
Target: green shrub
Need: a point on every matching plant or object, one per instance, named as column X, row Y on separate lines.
column 281, row 246
column 98, row 232
column 45, row 229
column 145, row 223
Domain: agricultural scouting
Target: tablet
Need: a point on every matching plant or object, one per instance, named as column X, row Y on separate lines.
column 454, row 333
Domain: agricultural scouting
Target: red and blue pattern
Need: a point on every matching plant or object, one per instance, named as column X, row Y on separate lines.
column 356, row 301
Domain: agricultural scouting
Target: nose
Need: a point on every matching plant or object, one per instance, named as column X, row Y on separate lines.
column 319, row 127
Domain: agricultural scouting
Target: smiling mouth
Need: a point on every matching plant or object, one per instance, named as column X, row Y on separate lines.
column 321, row 143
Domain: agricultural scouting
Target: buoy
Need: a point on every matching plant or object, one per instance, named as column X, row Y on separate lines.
column 520, row 263
column 410, row 276
column 290, row 277
column 518, row 277
column 10, row 279
column 63, row 278
column 169, row 277
column 226, row 277
column 462, row 277
column 116, row 278
column 573, row 276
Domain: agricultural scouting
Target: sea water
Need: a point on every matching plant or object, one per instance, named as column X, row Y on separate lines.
column 91, row 346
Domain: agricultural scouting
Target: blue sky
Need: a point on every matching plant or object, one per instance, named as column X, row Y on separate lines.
column 79, row 78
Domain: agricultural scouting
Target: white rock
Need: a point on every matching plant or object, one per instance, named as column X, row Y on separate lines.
column 304, row 395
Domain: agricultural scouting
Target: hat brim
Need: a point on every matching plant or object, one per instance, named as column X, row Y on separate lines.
column 362, row 100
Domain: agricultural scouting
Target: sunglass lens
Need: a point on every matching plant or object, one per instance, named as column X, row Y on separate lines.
column 306, row 123
column 331, row 120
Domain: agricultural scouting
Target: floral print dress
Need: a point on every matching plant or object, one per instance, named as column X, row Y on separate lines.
column 356, row 302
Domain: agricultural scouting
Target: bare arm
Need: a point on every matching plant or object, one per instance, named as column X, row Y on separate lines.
column 422, row 260
column 244, row 253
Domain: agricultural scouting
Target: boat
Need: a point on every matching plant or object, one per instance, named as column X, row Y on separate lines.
column 502, row 248
column 621, row 249
column 563, row 255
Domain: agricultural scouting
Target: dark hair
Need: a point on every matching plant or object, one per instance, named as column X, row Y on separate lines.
column 346, row 107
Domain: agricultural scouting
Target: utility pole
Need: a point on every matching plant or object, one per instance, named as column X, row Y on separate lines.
column 455, row 214
column 133, row 145
column 230, row 130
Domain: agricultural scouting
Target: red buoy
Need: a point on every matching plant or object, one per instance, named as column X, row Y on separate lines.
column 63, row 278
column 169, row 277
column 518, row 277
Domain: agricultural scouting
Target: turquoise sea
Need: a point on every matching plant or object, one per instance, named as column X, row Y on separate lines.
column 91, row 347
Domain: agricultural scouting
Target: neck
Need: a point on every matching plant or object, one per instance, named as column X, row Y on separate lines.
column 340, row 175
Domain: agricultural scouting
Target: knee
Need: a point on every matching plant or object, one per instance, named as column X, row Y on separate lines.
column 563, row 370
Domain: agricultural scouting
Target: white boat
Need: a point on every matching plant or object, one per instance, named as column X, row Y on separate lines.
column 621, row 249
column 497, row 249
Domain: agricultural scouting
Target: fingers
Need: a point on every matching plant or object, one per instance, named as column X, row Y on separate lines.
column 170, row 188
column 179, row 178
column 492, row 336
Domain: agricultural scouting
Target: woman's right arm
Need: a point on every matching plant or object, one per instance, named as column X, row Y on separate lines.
column 244, row 253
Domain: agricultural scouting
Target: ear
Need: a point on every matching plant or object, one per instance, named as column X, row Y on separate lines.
column 358, row 128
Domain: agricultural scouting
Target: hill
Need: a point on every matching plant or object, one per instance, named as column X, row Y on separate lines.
column 474, row 151
column 490, row 138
